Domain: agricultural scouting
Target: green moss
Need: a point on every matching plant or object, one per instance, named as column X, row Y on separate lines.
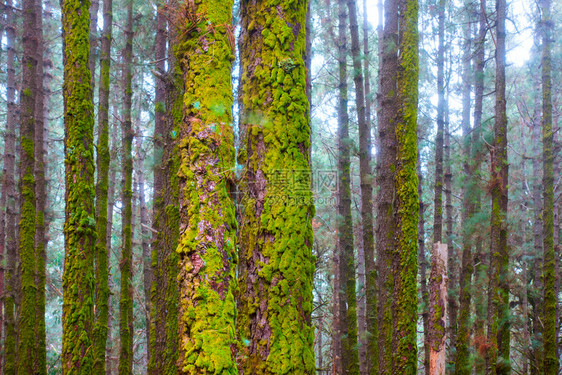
column 276, row 294
column 78, row 277
column 206, row 248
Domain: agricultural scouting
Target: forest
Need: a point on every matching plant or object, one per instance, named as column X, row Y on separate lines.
column 307, row 187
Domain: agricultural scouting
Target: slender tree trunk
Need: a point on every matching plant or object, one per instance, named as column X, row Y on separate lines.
column 480, row 262
column 369, row 251
column 434, row 335
column 347, row 322
column 103, row 158
column 550, row 297
column 276, row 238
column 41, row 239
column 497, row 356
column 8, row 200
column 422, row 260
column 26, row 349
column 405, row 259
column 437, row 309
column 80, row 225
column 125, row 264
column 94, row 8
column 385, row 224
column 463, row 365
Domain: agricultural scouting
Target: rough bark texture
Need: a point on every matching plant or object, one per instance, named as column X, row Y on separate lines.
column 347, row 303
column 385, row 224
column 437, row 309
column 8, row 200
column 497, row 356
column 276, row 263
column 549, row 278
column 463, row 365
column 125, row 263
column 165, row 294
column 26, row 351
column 422, row 261
column 207, row 245
column 80, row 225
column 103, row 158
column 405, row 259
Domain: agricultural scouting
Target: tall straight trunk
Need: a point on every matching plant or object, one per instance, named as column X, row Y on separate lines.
column 41, row 239
column 405, row 257
column 385, row 224
column 8, row 200
column 369, row 251
column 550, row 297
column 365, row 173
column 125, row 264
column 347, row 303
column 165, row 294
column 422, row 260
column 432, row 338
column 480, row 277
column 276, row 264
column 463, row 365
column 94, row 8
column 437, row 309
column 103, row 158
column 452, row 268
column 144, row 230
column 497, row 356
column 207, row 276
column 26, row 349
column 80, row 225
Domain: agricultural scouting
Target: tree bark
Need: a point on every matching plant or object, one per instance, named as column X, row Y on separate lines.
column 275, row 237
column 437, row 309
column 125, row 263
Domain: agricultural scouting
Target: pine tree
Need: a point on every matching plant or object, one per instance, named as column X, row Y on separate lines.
column 276, row 264
column 80, row 225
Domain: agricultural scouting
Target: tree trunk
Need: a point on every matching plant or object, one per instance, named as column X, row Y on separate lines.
column 497, row 356
column 347, row 322
column 8, row 200
column 385, row 224
column 422, row 260
column 276, row 235
column 94, row 7
column 549, row 278
column 463, row 365
column 80, row 225
column 103, row 159
column 125, row 264
column 437, row 309
column 26, row 351
column 405, row 259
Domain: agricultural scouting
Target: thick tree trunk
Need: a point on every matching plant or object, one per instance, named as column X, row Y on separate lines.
column 103, row 159
column 125, row 263
column 550, row 357
column 276, row 235
column 26, row 350
column 347, row 322
column 80, row 225
column 8, row 200
column 497, row 356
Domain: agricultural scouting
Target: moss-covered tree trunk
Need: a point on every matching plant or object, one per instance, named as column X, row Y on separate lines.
column 125, row 264
column 8, row 201
column 347, row 303
column 276, row 236
column 40, row 365
column 207, row 244
column 550, row 357
column 463, row 365
column 497, row 356
column 405, row 259
column 385, row 224
column 80, row 225
column 26, row 350
column 164, row 294
column 102, row 163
